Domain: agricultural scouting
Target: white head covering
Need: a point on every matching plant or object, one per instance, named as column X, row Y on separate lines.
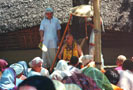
column 60, row 86
column 86, row 59
column 61, row 70
column 35, row 62
column 121, row 57
column 62, row 65
column 18, row 68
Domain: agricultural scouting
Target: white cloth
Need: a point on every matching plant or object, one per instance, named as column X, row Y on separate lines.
column 48, row 57
column 33, row 73
column 73, row 69
column 25, row 66
column 50, row 39
column 43, row 72
column 50, row 28
column 18, row 68
column 61, row 71
column 126, row 80
column 35, row 62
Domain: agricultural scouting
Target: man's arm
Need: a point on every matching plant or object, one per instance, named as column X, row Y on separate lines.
column 41, row 35
column 80, row 52
column 61, row 52
column 58, row 33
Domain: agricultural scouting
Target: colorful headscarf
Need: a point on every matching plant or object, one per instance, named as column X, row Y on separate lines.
column 100, row 79
column 3, row 64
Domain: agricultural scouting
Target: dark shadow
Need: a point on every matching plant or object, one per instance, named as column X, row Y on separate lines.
column 125, row 6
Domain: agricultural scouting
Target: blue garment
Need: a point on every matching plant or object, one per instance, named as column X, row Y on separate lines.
column 25, row 66
column 18, row 81
column 7, row 80
column 33, row 73
column 50, row 28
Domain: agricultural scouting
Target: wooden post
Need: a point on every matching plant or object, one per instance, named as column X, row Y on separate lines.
column 66, row 29
column 97, row 27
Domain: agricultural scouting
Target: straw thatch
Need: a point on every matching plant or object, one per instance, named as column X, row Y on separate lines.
column 117, row 15
column 19, row 14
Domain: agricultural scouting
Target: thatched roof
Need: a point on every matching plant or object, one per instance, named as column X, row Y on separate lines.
column 117, row 15
column 19, row 14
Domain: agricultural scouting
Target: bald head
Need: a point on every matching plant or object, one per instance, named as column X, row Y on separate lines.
column 69, row 39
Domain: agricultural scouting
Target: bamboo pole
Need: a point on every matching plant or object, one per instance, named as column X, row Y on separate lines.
column 66, row 29
column 97, row 27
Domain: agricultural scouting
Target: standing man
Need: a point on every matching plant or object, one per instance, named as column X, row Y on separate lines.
column 50, row 36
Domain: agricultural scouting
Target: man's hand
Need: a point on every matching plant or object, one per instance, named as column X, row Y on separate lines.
column 58, row 43
column 59, row 56
column 41, row 40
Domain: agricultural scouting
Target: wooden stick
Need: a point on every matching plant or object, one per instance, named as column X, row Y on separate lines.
column 97, row 26
column 61, row 43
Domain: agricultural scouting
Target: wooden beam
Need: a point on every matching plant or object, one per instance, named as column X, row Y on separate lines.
column 97, row 27
column 63, row 37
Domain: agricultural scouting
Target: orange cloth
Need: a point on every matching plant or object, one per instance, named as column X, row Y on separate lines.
column 116, row 87
column 0, row 74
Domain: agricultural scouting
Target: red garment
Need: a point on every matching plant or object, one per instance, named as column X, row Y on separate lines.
column 3, row 64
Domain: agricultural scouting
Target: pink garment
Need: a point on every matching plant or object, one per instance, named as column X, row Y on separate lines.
column 3, row 64
column 118, row 68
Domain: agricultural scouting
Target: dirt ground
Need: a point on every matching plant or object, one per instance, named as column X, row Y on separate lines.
column 110, row 54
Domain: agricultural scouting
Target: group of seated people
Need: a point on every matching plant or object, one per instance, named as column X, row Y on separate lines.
column 66, row 75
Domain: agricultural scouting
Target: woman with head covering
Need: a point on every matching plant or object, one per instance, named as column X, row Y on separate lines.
column 25, row 66
column 61, row 71
column 8, row 79
column 18, row 68
column 90, row 71
column 36, row 67
column 126, row 80
column 119, row 62
column 3, row 65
